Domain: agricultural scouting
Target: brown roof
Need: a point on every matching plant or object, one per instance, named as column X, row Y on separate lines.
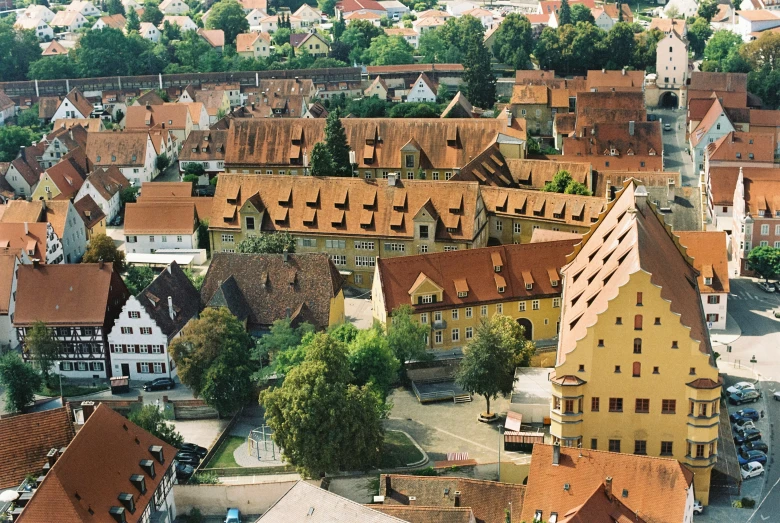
column 165, row 189
column 645, row 245
column 667, row 25
column 529, row 95
column 71, row 136
column 709, row 252
column 66, row 294
column 607, row 183
column 86, row 481
column 747, row 147
column 27, row 438
column 7, row 270
column 79, row 102
column 172, row 116
column 150, row 98
column 535, row 76
column 547, row 235
column 616, row 140
column 602, row 507
column 762, row 195
column 27, row 164
column 657, row 488
column 107, row 181
column 618, row 80
column 203, row 204
column 54, row 48
column 300, row 288
column 401, row 202
column 89, row 211
column 202, row 146
column 18, row 237
column 764, row 118
column 565, row 123
column 174, row 284
column 158, row 217
column 535, row 173
column 214, row 37
column 70, row 172
column 445, row 143
column 571, row 209
column 459, row 107
column 57, row 215
column 47, row 106
column 417, row 514
column 612, row 12
column 211, row 100
column 122, row 149
column 607, row 107
column 116, row 21
column 487, row 499
column 92, row 125
column 726, row 82
column 20, row 211
column 399, row 275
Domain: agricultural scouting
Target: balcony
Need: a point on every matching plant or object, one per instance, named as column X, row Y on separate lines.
column 439, row 325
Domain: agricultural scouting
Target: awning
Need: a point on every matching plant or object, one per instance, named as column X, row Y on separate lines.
column 523, row 437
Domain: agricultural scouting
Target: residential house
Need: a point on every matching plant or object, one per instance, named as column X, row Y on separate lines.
column 173, row 117
column 31, row 241
column 35, row 11
column 7, row 108
column 309, row 16
column 78, row 303
column 314, row 43
column 84, row 8
column 131, row 4
column 766, row 122
column 554, row 6
column 712, row 127
column 623, row 80
column 646, row 278
column 422, row 90
column 347, row 7
column 452, row 292
column 149, row 32
column 41, row 28
column 215, row 101
column 747, row 5
column 249, row 5
column 131, row 151
column 74, row 105
column 68, row 21
column 92, row 215
column 262, row 288
column 116, row 21
column 254, row 17
column 680, row 8
column 569, row 484
column 747, row 23
column 119, row 471
column 65, row 221
column 430, row 22
column 92, row 125
column 267, row 24
column 64, row 179
column 61, row 141
column 174, row 7
column 54, row 48
column 9, row 262
column 29, row 439
column 148, row 98
column 253, row 45
column 185, row 23
column 24, row 171
column 640, row 144
column 378, row 88
column 737, row 149
column 150, row 226
column 729, row 88
column 104, row 186
column 460, row 107
column 368, row 16
column 149, row 322
column 214, row 37
column 206, row 148
column 709, row 251
column 484, row 16
column 408, row 34
column 756, row 214
column 532, row 103
column 671, row 64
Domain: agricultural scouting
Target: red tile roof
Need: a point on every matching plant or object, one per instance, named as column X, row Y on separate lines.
column 155, row 217
column 745, row 147
column 622, row 80
column 27, row 237
column 710, row 257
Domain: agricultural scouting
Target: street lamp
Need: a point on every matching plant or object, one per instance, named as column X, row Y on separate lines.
column 500, row 428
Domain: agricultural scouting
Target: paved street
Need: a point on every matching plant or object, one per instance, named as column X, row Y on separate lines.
column 675, row 157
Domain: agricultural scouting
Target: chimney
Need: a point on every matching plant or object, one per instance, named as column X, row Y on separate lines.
column 556, row 455
column 391, row 179
column 87, row 408
column 624, row 71
column 51, row 457
column 170, row 308
column 631, row 128
column 608, row 487
column 670, row 191
column 457, row 498
column 100, row 264
column 36, row 263
column 26, row 229
column 603, row 70
column 508, row 117
column 388, row 485
column 285, row 255
column 412, row 501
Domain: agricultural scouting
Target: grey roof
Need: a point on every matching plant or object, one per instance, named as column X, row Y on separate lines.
column 173, row 283
column 229, row 295
column 306, row 503
column 683, row 212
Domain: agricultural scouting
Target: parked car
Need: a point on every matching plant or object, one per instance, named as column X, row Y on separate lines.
column 766, row 287
column 159, row 384
column 750, row 456
column 233, row 516
column 698, row 508
column 776, row 395
column 744, row 414
column 188, row 458
column 756, row 445
column 743, row 436
column 667, row 127
column 740, row 386
column 747, row 424
column 194, row 449
column 747, row 396
column 751, row 470
column 184, row 472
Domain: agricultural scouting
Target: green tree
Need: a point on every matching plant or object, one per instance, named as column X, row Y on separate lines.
column 322, row 421
column 489, row 360
column 645, row 51
column 431, row 47
column 229, row 16
column 371, row 107
column 29, row 117
column 721, row 43
column 108, row 52
column 460, row 33
column 283, row 348
column 20, row 380
column 115, row 7
column 339, row 51
column 268, row 243
column 128, row 195
column 138, row 278
column 327, row 63
column 372, row 361
column 194, row 169
column 765, row 261
column 765, row 83
column 707, row 9
column 12, row 139
column 321, row 161
column 18, row 49
column 620, row 45
column 152, row 13
column 42, row 348
column 581, row 13
column 327, row 6
column 562, row 182
column 514, row 41
column 698, row 32
column 480, row 88
column 564, row 15
column 358, row 37
column 214, row 359
column 191, row 49
column 406, row 337
column 763, row 52
column 102, row 248
column 336, row 141
column 133, row 21
column 415, row 110
column 389, row 50
column 162, row 162
column 151, row 419
column 52, row 68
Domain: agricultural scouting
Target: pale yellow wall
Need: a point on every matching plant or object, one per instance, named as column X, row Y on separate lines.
column 336, row 315
column 506, row 232
column 40, row 190
column 516, row 473
column 669, row 382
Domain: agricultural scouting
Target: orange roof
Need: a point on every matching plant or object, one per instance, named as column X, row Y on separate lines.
column 54, row 48
column 8, row 263
column 764, row 118
column 667, row 25
column 160, row 217
column 69, row 173
column 622, row 80
column 570, row 209
column 244, row 41
column 530, row 95
column 747, row 147
column 26, row 439
column 715, row 111
column 762, row 196
column 18, row 237
column 116, row 21
column 172, row 116
column 86, row 481
column 655, row 489
column 121, row 148
column 20, row 211
column 758, row 15
column 214, row 37
column 76, row 98
column 608, row 107
column 709, row 252
column 57, row 215
column 158, row 190
column 107, row 181
column 615, row 140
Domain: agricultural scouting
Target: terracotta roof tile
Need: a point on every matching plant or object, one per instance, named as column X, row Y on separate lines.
column 89, row 211
column 107, row 181
column 8, row 263
column 762, row 195
column 69, row 173
column 657, row 487
column 530, row 95
column 160, row 217
column 618, row 80
column 47, row 106
column 116, row 21
column 214, row 37
column 709, row 253
column 214, row 143
column 27, row 438
column 745, row 147
column 602, row 507
column 156, row 190
column 172, row 116
column 608, row 182
column 122, row 149
column 417, row 514
column 764, row 118
column 54, row 49
column 615, row 140
column 20, row 211
column 79, row 102
column 57, row 215
column 568, row 209
column 609, row 107
column 27, row 237
column 150, row 98
column 27, row 164
column 174, row 284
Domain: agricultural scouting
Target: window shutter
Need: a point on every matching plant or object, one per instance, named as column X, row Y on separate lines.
column 138, row 366
column 124, row 349
column 419, row 300
column 163, row 368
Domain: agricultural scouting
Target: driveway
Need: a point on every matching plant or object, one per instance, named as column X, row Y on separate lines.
column 675, row 157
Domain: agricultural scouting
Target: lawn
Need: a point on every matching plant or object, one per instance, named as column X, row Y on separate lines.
column 223, row 458
column 398, row 451
column 70, row 390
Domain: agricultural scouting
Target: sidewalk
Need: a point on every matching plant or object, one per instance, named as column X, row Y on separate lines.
column 726, row 336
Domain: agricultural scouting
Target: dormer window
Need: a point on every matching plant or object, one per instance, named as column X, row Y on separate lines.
column 148, row 466
column 501, row 289
column 739, row 155
column 139, row 482
column 750, row 156
column 707, row 281
column 127, row 501
column 463, row 294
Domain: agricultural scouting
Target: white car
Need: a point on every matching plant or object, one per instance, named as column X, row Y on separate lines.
column 739, row 387
column 698, row 508
column 751, row 470
column 777, row 395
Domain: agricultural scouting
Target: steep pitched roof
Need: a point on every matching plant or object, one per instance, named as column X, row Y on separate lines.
column 27, row 237
column 201, row 146
column 116, row 21
column 417, row 514
column 228, row 294
column 622, row 80
column 710, row 257
column 656, row 489
column 274, row 289
column 171, row 116
column 615, row 140
column 70, row 172
column 57, row 215
column 20, row 211
column 86, row 481
column 149, row 98
column 602, row 507
column 89, row 211
column 27, row 164
column 171, row 284
column 54, row 49
column 27, row 438
column 78, row 101
column 525, row 94
column 747, row 147
column 644, row 244
column 214, row 37
column 570, row 209
column 459, row 107
column 107, row 181
column 713, row 113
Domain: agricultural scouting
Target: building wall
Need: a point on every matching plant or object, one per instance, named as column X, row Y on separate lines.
column 671, row 64
column 148, row 244
column 88, row 364
column 720, row 128
column 719, row 309
column 74, row 238
column 66, row 110
column 519, row 229
column 604, row 381
column 766, row 232
column 336, row 314
column 18, row 183
column 538, row 117
column 214, row 500
column 110, row 208
column 41, row 192
column 7, row 331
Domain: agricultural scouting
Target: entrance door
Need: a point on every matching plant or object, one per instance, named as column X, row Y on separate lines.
column 528, row 328
column 126, row 369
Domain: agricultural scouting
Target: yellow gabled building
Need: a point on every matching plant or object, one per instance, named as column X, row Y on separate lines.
column 635, row 371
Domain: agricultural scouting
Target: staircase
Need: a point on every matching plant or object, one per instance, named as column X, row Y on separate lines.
column 462, row 398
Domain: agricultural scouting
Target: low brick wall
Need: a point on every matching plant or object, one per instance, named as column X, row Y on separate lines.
column 191, row 409
column 124, row 407
column 214, row 500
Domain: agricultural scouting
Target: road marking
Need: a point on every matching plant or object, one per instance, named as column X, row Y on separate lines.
column 762, row 502
column 764, row 518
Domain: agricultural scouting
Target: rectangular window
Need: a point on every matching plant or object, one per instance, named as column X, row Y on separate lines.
column 164, row 238
column 469, row 312
column 764, row 229
column 144, row 349
column 499, row 225
column 409, row 159
column 144, row 368
column 127, row 330
column 424, row 318
column 455, row 314
column 535, row 305
column 521, row 306
column 227, row 238
column 642, row 406
column 594, row 444
column 179, row 239
column 594, row 404
column 307, row 242
column 339, row 259
column 438, row 336
column 250, row 223
column 500, row 308
column 556, row 303
column 712, row 318
column 158, row 368
column 640, row 447
column 428, row 298
column 437, row 316
column 335, row 244
column 668, row 406
column 146, row 330
column 365, row 261
column 517, row 227
column 151, row 239
column 483, row 311
column 616, row 404
column 639, row 298
column 455, row 335
column 134, row 314
column 157, row 349
column 395, row 247
column 614, row 445
column 424, row 231
column 666, row 448
column 699, row 451
column 469, row 333
column 365, row 246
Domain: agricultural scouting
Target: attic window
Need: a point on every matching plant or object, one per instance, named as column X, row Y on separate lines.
column 113, row 158
column 750, row 156
column 739, row 155
column 148, row 466
column 139, row 482
column 127, row 501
